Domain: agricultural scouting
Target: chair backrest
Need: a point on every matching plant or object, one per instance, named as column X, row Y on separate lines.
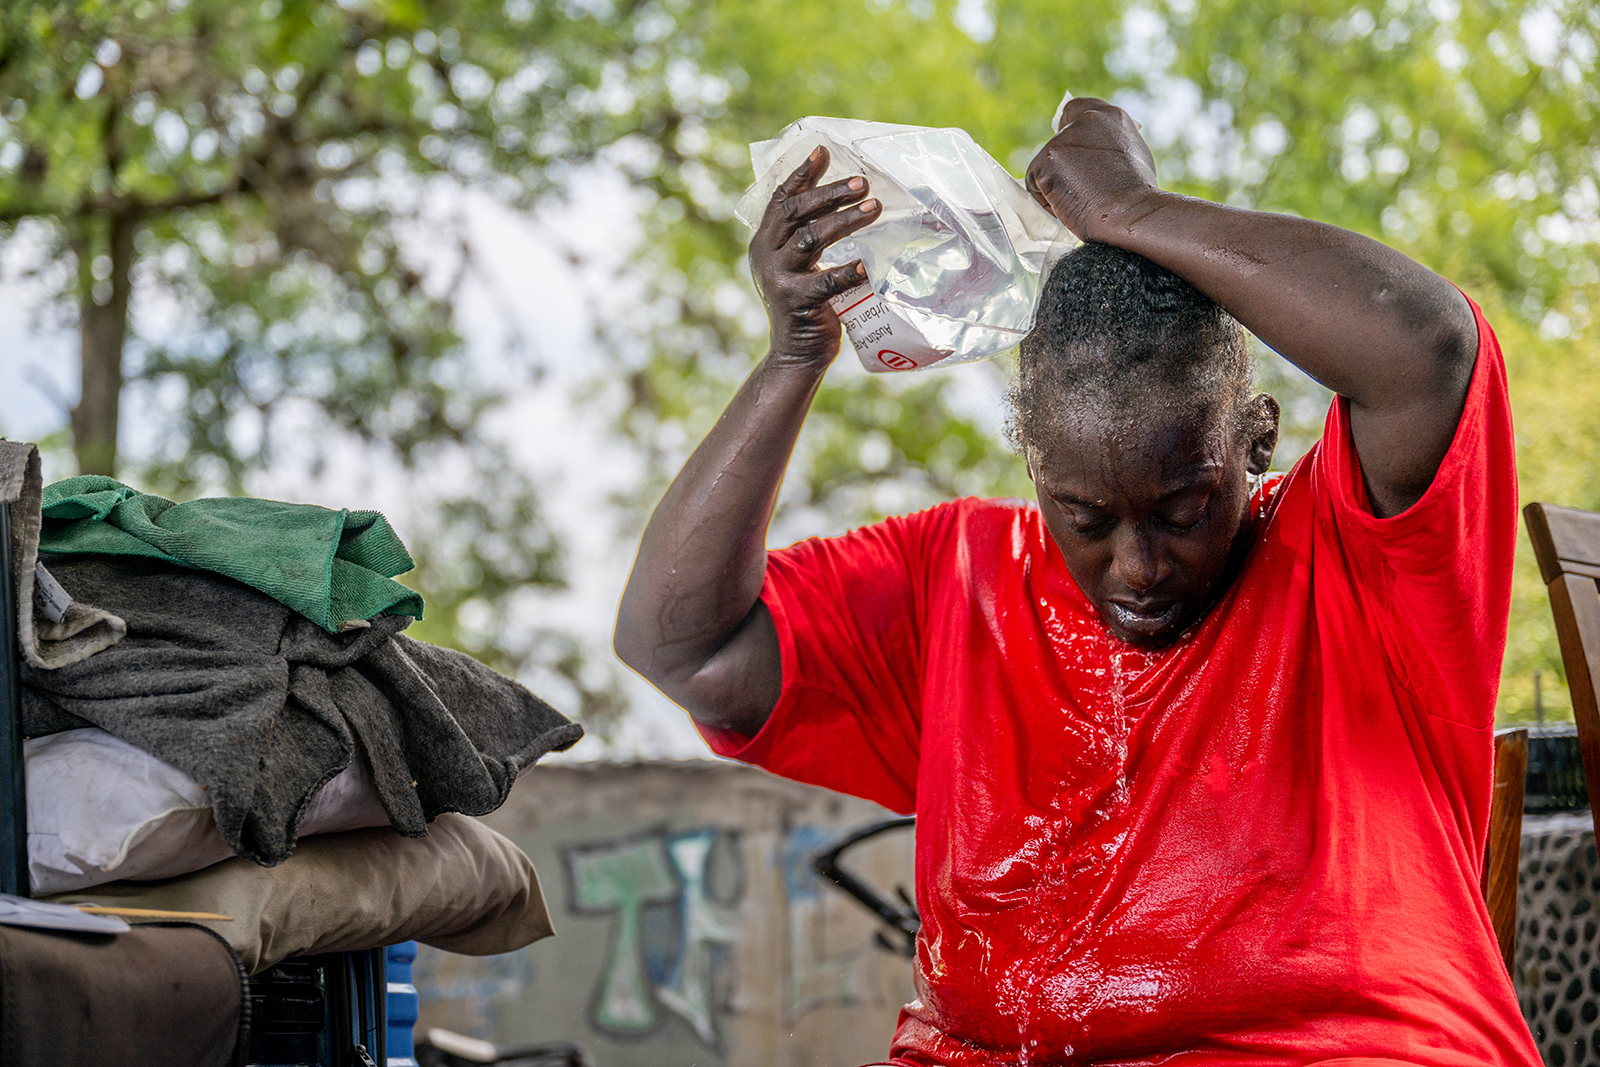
column 1567, row 544
column 1504, row 857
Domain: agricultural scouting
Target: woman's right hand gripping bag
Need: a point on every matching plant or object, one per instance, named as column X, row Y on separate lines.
column 954, row 263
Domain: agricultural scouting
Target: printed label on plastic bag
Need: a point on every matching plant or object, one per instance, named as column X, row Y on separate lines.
column 882, row 339
column 956, row 256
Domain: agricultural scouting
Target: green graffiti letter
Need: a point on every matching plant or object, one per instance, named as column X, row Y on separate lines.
column 622, row 876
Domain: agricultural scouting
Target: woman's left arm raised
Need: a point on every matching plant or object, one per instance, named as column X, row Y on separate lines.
column 1394, row 338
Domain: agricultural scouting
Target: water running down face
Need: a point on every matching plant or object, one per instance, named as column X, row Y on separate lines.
column 1151, row 516
column 1133, row 408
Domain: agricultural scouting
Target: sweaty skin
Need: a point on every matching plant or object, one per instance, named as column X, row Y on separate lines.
column 1151, row 520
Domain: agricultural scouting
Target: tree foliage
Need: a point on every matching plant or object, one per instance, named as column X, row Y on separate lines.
column 1464, row 134
column 265, row 160
column 258, row 179
column 276, row 155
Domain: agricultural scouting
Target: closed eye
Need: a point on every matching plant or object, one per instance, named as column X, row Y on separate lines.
column 1089, row 524
column 1181, row 523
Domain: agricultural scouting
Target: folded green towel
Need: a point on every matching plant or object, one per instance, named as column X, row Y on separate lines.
column 333, row 567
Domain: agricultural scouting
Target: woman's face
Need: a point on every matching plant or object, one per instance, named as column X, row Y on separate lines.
column 1152, row 513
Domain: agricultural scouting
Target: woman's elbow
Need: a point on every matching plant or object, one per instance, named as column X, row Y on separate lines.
column 1457, row 338
column 632, row 646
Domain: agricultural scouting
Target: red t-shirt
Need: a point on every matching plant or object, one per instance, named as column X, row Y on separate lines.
column 1260, row 845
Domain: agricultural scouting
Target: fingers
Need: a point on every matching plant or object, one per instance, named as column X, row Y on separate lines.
column 1090, row 107
column 780, row 218
column 836, row 280
column 793, row 212
column 808, row 241
column 1039, row 198
column 802, row 220
column 805, row 175
column 1075, row 107
column 1037, row 181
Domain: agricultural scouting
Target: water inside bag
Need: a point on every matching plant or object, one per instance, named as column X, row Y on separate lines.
column 955, row 260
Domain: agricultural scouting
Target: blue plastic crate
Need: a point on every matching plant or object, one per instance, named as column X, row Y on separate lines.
column 402, row 1005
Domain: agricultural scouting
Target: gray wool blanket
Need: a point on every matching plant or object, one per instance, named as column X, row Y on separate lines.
column 82, row 629
column 262, row 706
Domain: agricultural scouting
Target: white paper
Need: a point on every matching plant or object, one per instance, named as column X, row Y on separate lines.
column 20, row 911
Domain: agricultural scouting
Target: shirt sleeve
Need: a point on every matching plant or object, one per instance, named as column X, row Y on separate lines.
column 1435, row 580
column 848, row 612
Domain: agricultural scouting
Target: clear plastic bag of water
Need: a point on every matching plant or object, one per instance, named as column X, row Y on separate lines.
column 955, row 260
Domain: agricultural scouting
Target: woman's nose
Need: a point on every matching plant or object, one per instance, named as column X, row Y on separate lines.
column 1135, row 562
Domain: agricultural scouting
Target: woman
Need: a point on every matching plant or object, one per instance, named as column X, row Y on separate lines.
column 1201, row 762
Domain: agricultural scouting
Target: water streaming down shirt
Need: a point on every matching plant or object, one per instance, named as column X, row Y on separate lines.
column 1260, row 845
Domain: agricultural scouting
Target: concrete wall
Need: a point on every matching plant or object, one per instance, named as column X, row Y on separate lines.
column 690, row 928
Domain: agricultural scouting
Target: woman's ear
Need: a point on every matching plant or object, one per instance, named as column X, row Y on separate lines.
column 1261, row 420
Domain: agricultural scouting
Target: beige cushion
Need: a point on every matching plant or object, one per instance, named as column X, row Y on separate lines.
column 463, row 888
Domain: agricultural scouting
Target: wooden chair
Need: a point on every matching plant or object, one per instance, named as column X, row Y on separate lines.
column 1504, row 857
column 1566, row 542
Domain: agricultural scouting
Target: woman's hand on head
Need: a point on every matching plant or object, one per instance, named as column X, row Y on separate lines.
column 801, row 220
column 1095, row 172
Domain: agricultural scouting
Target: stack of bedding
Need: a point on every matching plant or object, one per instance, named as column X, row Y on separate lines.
column 224, row 715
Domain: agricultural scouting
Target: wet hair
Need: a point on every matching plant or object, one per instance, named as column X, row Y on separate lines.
column 1119, row 333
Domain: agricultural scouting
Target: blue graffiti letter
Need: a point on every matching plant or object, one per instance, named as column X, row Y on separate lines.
column 701, row 925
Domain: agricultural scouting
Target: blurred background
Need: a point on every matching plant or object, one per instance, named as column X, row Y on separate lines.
column 472, row 263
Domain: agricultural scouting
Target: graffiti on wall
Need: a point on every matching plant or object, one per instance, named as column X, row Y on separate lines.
column 705, row 930
column 691, row 928
column 642, row 879
column 670, row 935
column 474, row 985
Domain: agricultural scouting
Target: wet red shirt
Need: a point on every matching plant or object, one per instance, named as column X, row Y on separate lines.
column 1258, row 846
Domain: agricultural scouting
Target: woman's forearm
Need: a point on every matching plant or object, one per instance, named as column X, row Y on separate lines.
column 702, row 560
column 1361, row 318
column 691, row 620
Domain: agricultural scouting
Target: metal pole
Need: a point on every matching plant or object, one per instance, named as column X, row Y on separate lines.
column 13, row 790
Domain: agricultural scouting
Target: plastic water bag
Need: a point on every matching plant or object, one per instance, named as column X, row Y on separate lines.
column 953, row 263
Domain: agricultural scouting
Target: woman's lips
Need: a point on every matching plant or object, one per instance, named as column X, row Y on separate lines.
column 1142, row 622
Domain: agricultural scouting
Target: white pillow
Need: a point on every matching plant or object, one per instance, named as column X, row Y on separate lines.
column 101, row 810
